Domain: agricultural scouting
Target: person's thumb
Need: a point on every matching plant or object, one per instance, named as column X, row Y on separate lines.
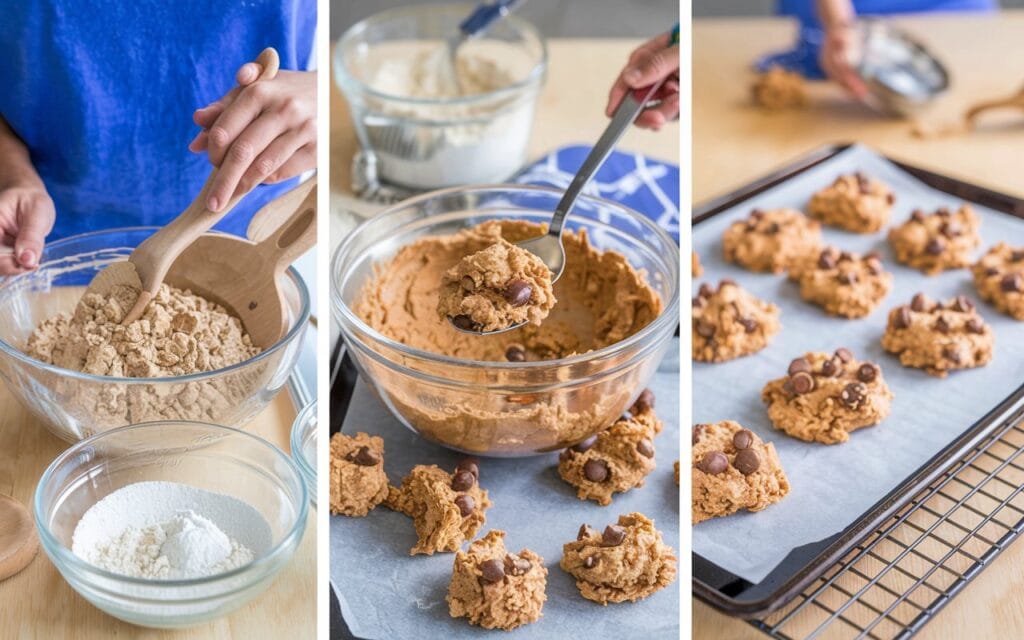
column 33, row 227
column 652, row 67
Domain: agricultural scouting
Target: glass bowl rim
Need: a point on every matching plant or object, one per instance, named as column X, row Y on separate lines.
column 295, row 438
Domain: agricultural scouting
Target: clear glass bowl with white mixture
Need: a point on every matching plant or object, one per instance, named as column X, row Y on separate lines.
column 75, row 405
column 513, row 408
column 303, row 447
column 423, row 142
column 210, row 457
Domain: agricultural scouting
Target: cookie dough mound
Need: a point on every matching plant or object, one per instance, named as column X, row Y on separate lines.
column 825, row 396
column 730, row 322
column 938, row 241
column 675, row 471
column 496, row 288
column 771, row 240
column 937, row 337
column 844, row 284
column 616, row 459
column 778, row 89
column 358, row 482
column 179, row 333
column 999, row 277
column 733, row 469
column 695, row 269
column 853, row 202
column 628, row 561
column 447, row 509
column 495, row 589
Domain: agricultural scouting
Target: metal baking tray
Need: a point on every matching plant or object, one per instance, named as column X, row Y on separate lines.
column 737, row 597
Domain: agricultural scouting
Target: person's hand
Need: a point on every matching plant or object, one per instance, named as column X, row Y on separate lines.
column 839, row 52
column 26, row 217
column 259, row 132
column 652, row 61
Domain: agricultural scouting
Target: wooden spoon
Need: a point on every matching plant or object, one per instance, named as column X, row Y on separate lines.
column 1016, row 100
column 246, row 275
column 148, row 264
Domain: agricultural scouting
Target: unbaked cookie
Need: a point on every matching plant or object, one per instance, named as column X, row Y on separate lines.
column 446, row 508
column 938, row 337
column 853, row 202
column 729, row 322
column 825, row 396
column 696, row 270
column 627, row 561
column 938, row 241
column 770, row 240
column 842, row 283
column 616, row 459
column 495, row 589
column 733, row 469
column 778, row 89
column 358, row 482
column 999, row 276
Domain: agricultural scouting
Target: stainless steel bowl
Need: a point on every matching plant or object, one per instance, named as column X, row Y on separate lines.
column 903, row 77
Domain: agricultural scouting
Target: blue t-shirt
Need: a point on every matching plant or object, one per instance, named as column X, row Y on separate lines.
column 102, row 94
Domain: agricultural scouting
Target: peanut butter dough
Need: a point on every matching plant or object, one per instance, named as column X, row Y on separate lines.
column 729, row 322
column 771, row 240
column 842, row 283
column 853, row 202
column 999, row 277
column 358, row 482
column 937, row 337
column 778, row 89
column 938, row 241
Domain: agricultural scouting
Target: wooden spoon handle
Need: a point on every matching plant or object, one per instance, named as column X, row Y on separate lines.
column 285, row 228
column 1016, row 100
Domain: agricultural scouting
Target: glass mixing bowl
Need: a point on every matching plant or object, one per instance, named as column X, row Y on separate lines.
column 505, row 408
column 303, row 446
column 77, row 405
column 427, row 143
column 206, row 456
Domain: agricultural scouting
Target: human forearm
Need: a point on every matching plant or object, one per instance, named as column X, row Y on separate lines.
column 835, row 13
column 16, row 168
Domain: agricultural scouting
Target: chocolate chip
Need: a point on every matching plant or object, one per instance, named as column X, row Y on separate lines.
column 705, row 329
column 463, row 481
column 798, row 365
column 466, row 504
column 844, row 354
column 845, row 256
column 589, row 562
column 365, row 457
column 464, row 322
column 963, row 304
column 829, row 368
column 867, row 372
column 747, row 461
column 863, row 184
column 518, row 566
column 713, row 462
column 827, row 260
column 584, row 445
column 468, row 284
column 773, row 228
column 934, row 247
column 518, row 292
column 757, row 214
column 743, row 439
column 749, row 324
column 492, row 570
column 917, row 216
column 874, row 266
column 920, row 302
column 515, row 353
column 952, row 354
column 613, row 536
column 469, row 464
column 697, row 302
column 847, row 277
column 950, row 229
column 698, row 431
column 941, row 325
column 890, row 198
column 975, row 325
column 943, row 212
column 705, row 291
column 902, row 319
column 1011, row 283
column 803, row 382
column 586, row 531
column 644, row 403
column 853, row 394
column 1017, row 255
column 596, row 470
column 645, row 448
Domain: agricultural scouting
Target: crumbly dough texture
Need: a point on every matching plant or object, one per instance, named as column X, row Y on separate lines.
column 842, row 283
column 356, row 488
column 853, row 202
column 778, row 89
column 624, row 451
column 841, row 398
column 999, row 277
column 728, row 322
column 517, row 598
column 696, row 270
column 938, row 241
column 426, row 495
column 728, row 489
column 939, row 337
column 632, row 570
column 484, row 286
column 771, row 240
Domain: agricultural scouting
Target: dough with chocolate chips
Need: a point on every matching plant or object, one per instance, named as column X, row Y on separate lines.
column 853, row 202
column 999, row 277
column 778, row 89
column 938, row 337
column 358, row 482
column 770, row 240
column 938, row 241
column 842, row 283
column 728, row 322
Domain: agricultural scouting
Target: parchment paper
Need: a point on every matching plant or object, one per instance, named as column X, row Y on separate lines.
column 832, row 485
column 385, row 593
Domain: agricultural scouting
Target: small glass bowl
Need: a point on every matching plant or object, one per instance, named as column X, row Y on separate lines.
column 303, row 446
column 206, row 456
column 76, row 405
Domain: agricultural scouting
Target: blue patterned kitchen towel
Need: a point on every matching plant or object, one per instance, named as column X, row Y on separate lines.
column 643, row 184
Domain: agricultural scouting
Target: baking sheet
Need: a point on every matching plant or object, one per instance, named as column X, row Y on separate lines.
column 833, row 485
column 385, row 593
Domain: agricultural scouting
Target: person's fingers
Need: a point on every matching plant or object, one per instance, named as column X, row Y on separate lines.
column 615, row 95
column 654, row 44
column 200, row 142
column 206, row 116
column 10, row 267
column 653, row 67
column 236, row 118
column 249, row 144
column 273, row 158
column 656, row 117
column 33, row 226
column 301, row 161
column 248, row 73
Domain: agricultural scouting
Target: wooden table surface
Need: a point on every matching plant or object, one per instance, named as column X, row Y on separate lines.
column 735, row 143
column 38, row 604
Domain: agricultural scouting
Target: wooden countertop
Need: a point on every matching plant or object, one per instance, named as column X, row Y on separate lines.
column 38, row 603
column 735, row 143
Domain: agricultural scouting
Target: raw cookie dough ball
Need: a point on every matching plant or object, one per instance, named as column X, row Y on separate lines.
column 495, row 589
column 771, row 240
column 628, row 561
column 695, row 269
column 675, row 471
column 842, row 283
column 937, row 337
column 616, row 459
column 447, row 509
column 358, row 481
column 728, row 323
column 938, row 241
column 733, row 469
column 853, row 202
column 778, row 89
column 496, row 288
column 999, row 277
column 825, row 396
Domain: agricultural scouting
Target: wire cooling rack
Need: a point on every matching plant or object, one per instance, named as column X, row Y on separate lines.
column 894, row 582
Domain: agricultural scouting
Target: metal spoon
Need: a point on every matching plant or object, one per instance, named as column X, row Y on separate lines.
column 548, row 247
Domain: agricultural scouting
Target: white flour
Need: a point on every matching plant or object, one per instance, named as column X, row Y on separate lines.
column 167, row 530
